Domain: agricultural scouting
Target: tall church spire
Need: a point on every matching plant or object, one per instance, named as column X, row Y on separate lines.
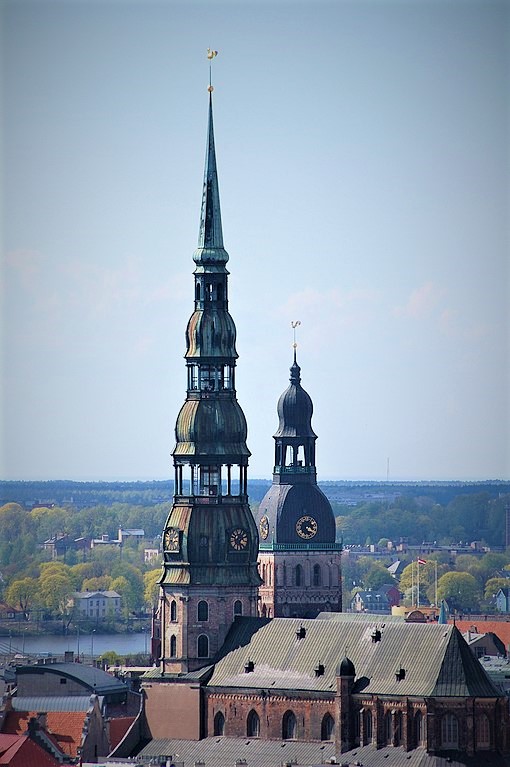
column 210, row 233
column 210, row 540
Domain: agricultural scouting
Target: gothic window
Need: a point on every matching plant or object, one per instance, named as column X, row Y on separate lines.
column 397, row 739
column 203, row 646
column 173, row 610
column 203, row 611
column 264, row 573
column 298, row 575
column 173, row 646
column 388, row 728
column 238, row 607
column 367, row 727
column 264, row 611
column 253, row 725
column 327, row 727
column 289, row 726
column 449, row 731
column 197, row 291
column 219, row 724
column 317, row 575
column 483, row 733
column 419, row 735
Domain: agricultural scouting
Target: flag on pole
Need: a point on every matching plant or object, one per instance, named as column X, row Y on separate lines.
column 422, row 561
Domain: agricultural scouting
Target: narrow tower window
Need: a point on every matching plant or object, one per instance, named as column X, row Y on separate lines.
column 238, row 607
column 298, row 575
column 327, row 727
column 317, row 575
column 202, row 611
column 173, row 610
column 203, row 646
column 173, row 646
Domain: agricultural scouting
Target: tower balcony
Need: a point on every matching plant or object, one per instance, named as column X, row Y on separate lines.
column 294, row 469
column 210, row 500
column 271, row 546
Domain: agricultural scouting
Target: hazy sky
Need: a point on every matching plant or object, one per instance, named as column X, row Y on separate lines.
column 363, row 160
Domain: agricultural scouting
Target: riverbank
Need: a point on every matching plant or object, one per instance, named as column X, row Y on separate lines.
column 16, row 628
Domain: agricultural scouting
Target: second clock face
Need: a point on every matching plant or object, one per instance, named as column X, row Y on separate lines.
column 306, row 527
column 171, row 539
column 239, row 539
column 264, row 527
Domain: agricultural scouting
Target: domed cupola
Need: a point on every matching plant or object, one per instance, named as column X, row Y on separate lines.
column 295, row 510
column 295, row 408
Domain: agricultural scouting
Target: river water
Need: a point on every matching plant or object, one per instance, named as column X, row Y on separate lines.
column 82, row 644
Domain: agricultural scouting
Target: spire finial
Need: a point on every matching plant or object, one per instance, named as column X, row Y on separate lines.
column 294, row 324
column 210, row 55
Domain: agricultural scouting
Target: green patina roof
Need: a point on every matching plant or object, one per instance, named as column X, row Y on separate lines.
column 281, row 661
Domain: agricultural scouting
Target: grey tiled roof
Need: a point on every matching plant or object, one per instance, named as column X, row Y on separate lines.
column 224, row 752
column 52, row 703
column 435, row 658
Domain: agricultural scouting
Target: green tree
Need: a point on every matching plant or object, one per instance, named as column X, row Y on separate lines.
column 376, row 576
column 23, row 594
column 460, row 591
column 98, row 583
column 151, row 587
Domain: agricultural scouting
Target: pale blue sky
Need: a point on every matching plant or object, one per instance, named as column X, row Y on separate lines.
column 363, row 161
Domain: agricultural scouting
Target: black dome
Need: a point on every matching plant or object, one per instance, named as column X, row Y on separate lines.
column 346, row 668
column 295, row 408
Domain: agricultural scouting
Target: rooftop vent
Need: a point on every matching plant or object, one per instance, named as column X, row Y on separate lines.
column 400, row 674
column 319, row 669
column 376, row 635
column 249, row 666
column 301, row 632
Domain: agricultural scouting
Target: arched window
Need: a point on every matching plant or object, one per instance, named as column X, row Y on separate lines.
column 388, row 728
column 197, row 292
column 203, row 611
column 264, row 573
column 449, row 731
column 317, row 575
column 298, row 575
column 289, row 726
column 238, row 607
column 327, row 727
column 173, row 610
column 203, row 646
column 483, row 731
column 419, row 734
column 397, row 734
column 173, row 646
column 253, row 725
column 219, row 724
column 367, row 727
column 219, row 291
column 264, row 611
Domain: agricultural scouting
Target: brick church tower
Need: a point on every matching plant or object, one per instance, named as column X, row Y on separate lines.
column 210, row 539
column 299, row 560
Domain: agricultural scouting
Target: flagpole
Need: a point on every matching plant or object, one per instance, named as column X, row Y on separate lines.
column 418, row 587
column 435, row 583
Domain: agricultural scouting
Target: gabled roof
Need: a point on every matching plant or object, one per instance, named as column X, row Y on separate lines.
column 65, row 728
column 281, row 661
column 21, row 751
column 95, row 594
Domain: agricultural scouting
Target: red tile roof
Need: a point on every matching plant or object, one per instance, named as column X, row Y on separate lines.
column 21, row 751
column 500, row 628
column 118, row 728
column 64, row 727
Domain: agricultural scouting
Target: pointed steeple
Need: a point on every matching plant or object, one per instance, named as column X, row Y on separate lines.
column 210, row 248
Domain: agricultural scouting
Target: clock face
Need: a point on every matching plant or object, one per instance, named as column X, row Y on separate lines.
column 264, row 527
column 306, row 527
column 171, row 539
column 239, row 539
